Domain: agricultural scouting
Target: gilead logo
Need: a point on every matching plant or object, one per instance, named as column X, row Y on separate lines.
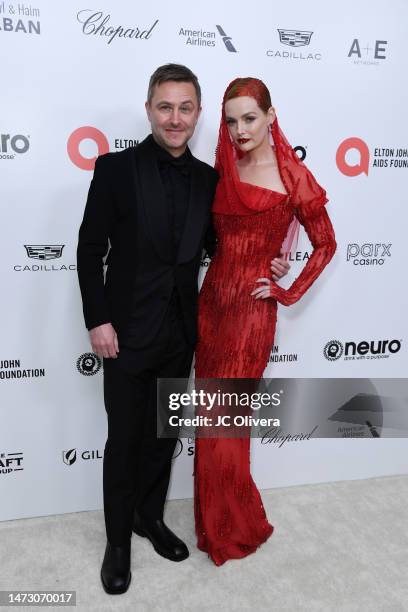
column 361, row 166
column 86, row 132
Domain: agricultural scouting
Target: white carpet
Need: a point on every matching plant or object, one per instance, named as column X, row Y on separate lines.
column 340, row 547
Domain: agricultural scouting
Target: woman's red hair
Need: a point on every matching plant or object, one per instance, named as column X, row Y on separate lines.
column 249, row 86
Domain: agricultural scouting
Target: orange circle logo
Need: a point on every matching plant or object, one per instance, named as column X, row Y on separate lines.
column 74, row 141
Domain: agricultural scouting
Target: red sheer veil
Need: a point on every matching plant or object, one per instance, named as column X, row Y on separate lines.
column 239, row 198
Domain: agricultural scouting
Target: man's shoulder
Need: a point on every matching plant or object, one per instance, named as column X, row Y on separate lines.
column 114, row 160
column 206, row 168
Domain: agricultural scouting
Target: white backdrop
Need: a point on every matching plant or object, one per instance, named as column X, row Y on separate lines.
column 340, row 76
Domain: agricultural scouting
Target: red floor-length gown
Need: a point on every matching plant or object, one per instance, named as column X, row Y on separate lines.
column 236, row 331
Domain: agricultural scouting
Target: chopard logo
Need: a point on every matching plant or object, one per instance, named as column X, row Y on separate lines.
column 97, row 23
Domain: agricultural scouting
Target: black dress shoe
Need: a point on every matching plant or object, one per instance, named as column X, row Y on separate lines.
column 115, row 571
column 164, row 541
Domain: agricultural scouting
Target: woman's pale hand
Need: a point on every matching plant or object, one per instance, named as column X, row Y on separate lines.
column 279, row 267
column 269, row 289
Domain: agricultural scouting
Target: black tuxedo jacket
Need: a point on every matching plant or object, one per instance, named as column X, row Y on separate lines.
column 127, row 209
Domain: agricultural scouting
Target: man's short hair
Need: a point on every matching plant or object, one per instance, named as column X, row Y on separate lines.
column 173, row 72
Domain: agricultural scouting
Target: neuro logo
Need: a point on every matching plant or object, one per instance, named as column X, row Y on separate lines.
column 44, row 251
column 86, row 132
column 333, row 350
column 88, row 364
column 226, row 39
column 69, row 456
column 10, row 146
column 294, row 38
column 365, row 349
column 364, row 157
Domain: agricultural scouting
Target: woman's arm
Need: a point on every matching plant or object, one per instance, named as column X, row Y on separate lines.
column 321, row 234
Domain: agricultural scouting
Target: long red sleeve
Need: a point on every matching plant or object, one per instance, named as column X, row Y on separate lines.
column 321, row 234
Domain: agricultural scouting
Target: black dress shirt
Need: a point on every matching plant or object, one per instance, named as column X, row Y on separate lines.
column 175, row 175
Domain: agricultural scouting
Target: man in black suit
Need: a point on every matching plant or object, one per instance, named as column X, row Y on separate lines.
column 151, row 204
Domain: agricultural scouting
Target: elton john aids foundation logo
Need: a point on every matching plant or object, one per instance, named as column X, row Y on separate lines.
column 353, row 157
column 87, row 140
column 359, row 148
column 75, row 141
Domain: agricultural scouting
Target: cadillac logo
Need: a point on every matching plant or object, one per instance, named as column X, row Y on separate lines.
column 44, row 251
column 295, row 38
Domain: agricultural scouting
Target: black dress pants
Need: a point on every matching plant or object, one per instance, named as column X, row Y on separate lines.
column 137, row 464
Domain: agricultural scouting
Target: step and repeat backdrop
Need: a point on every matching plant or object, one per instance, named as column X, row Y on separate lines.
column 74, row 82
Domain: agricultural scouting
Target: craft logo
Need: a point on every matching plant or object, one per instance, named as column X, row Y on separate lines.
column 44, row 252
column 369, row 253
column 207, row 38
column 353, row 157
column 13, row 146
column 88, row 364
column 294, row 39
column 11, row 368
column 97, row 23
column 189, row 447
column 275, row 357
column 366, row 349
column 16, row 20
column 98, row 138
column 11, row 462
column 367, row 56
column 70, row 456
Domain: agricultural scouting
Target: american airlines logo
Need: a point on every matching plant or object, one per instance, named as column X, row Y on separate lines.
column 226, row 40
column 207, row 38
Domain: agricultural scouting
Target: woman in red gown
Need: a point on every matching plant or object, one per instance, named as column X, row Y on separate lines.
column 263, row 192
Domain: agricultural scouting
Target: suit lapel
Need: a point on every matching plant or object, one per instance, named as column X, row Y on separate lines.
column 150, row 190
column 197, row 214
